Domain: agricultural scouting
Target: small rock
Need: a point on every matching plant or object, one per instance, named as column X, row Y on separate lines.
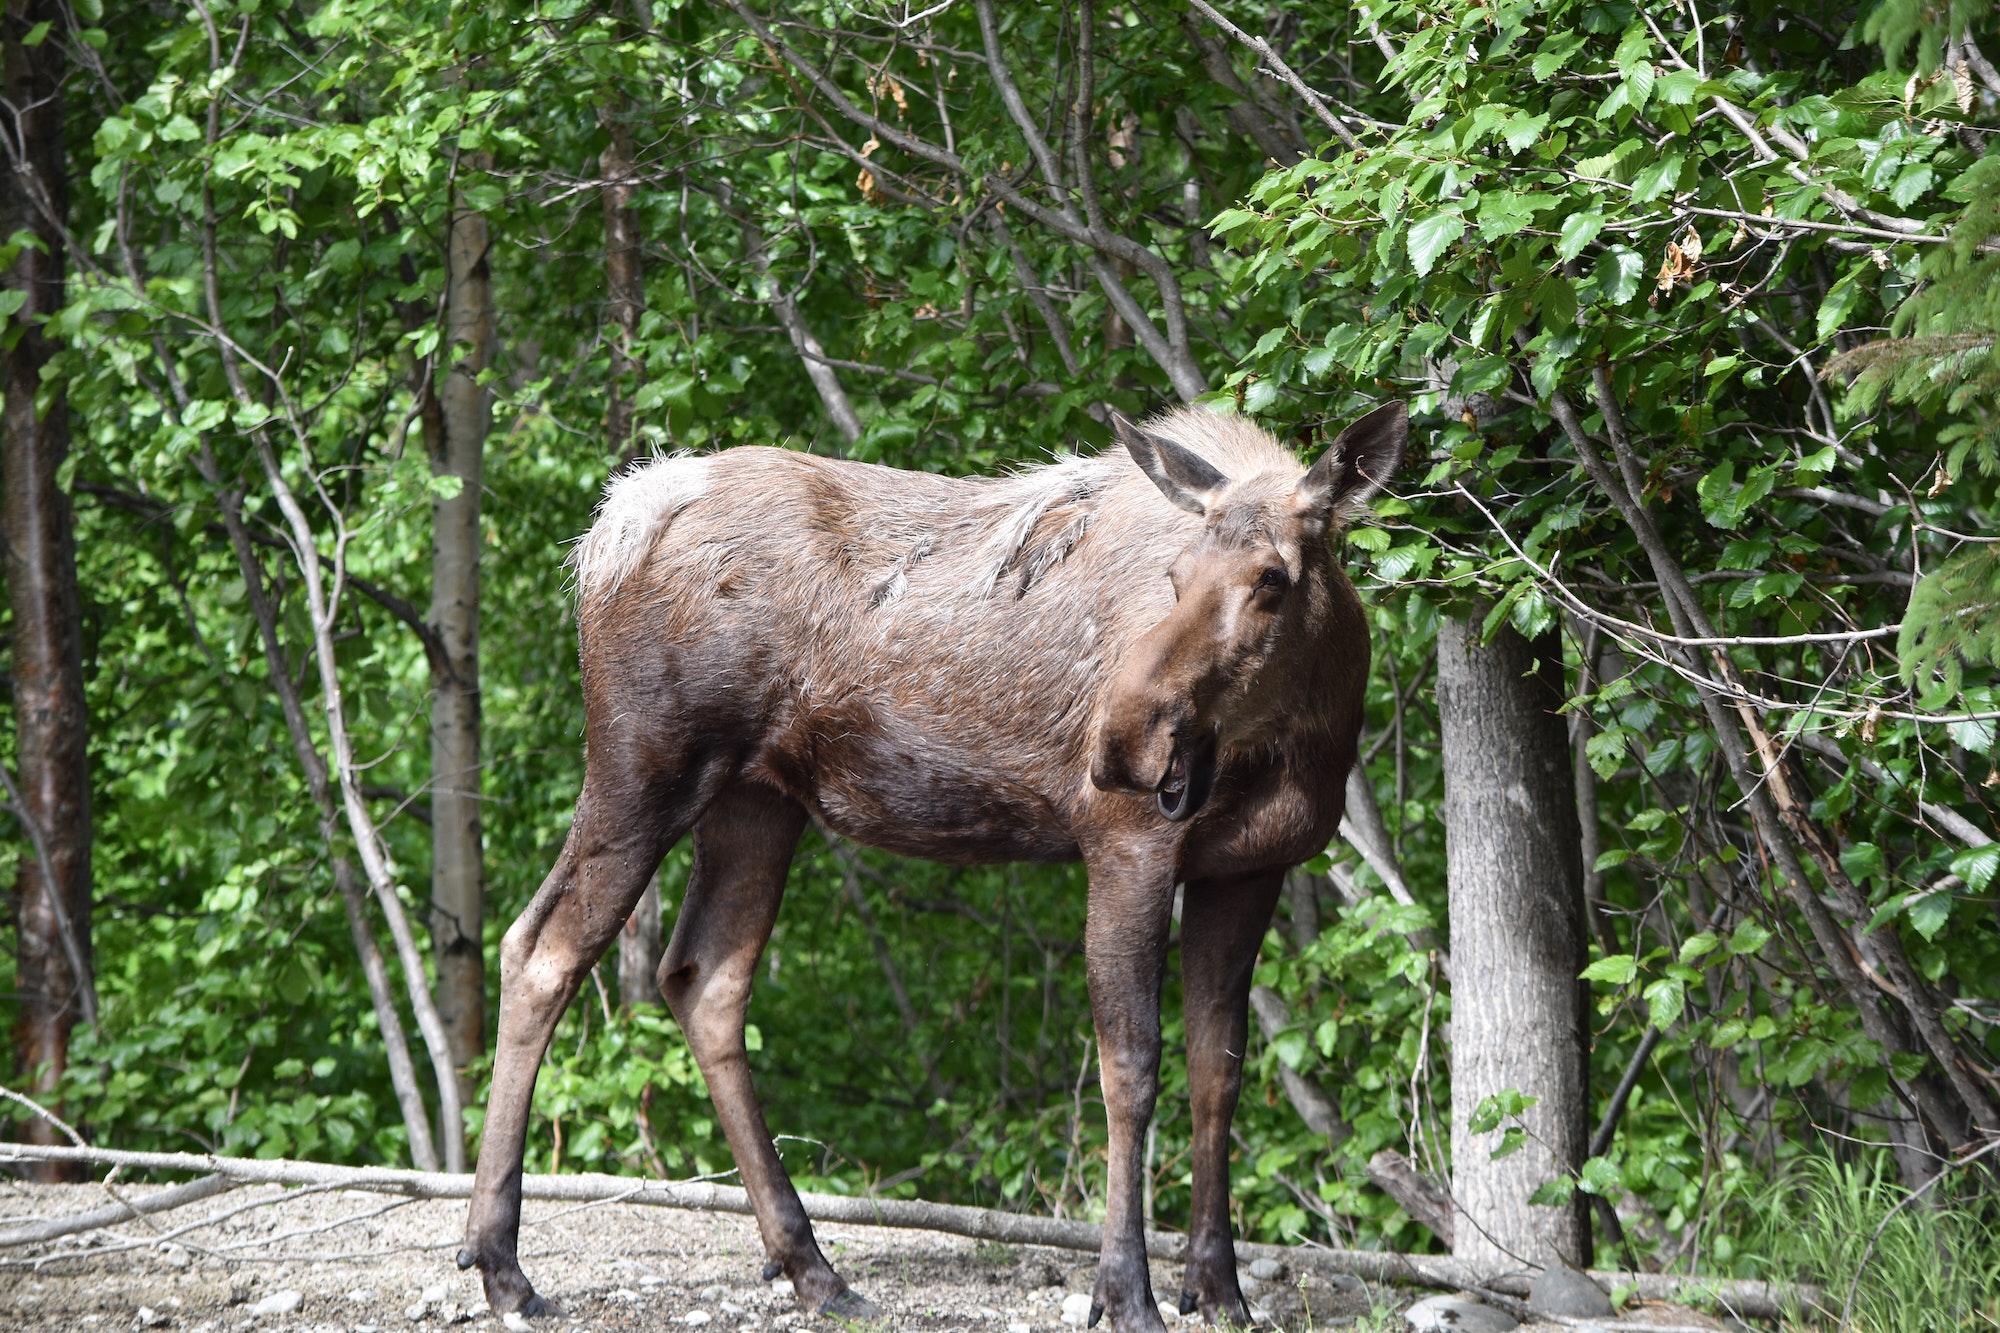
column 1561, row 1290
column 1170, row 1312
column 1449, row 1314
column 1076, row 1308
column 361, row 1295
column 151, row 1318
column 731, row 1308
column 451, row 1314
column 173, row 1256
column 516, row 1322
column 713, row 1292
column 696, row 1317
column 278, row 1302
column 415, row 1311
column 1035, row 1274
column 1267, row 1270
column 782, row 1287
column 1019, row 1328
column 434, row 1294
column 988, row 1312
column 651, row 1281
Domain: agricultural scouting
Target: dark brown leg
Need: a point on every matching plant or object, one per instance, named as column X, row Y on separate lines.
column 1222, row 923
column 742, row 850
column 1125, row 946
column 621, row 832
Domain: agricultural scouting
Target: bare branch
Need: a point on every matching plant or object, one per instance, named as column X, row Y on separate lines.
column 1283, row 71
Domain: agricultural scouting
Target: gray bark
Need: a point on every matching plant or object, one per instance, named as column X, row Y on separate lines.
column 465, row 413
column 811, row 355
column 1310, row 1100
column 1517, row 940
column 639, row 950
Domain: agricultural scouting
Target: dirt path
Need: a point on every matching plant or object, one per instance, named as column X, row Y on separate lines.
column 267, row 1260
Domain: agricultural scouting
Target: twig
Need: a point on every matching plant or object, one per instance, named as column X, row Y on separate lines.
column 52, row 888
column 44, row 1111
column 1283, row 71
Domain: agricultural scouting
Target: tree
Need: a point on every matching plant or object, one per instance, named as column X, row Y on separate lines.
column 457, row 438
column 1520, row 1049
column 52, row 892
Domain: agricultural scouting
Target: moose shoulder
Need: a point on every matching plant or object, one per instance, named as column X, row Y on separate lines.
column 1149, row 659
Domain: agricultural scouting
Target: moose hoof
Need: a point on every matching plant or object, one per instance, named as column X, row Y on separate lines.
column 851, row 1308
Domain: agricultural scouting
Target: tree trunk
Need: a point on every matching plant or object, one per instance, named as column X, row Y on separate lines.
column 52, row 919
column 624, row 281
column 639, row 943
column 458, row 889
column 639, row 950
column 1517, row 943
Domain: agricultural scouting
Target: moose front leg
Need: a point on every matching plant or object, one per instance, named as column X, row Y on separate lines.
column 1222, row 923
column 1125, row 946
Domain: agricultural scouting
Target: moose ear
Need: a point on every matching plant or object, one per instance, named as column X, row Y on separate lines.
column 1357, row 465
column 1183, row 476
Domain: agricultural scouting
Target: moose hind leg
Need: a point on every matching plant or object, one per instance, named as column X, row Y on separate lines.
column 612, row 850
column 742, row 850
column 1222, row 923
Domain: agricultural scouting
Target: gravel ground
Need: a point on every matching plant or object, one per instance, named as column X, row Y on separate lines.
column 268, row 1260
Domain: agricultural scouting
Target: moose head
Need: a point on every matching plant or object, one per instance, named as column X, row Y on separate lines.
column 1253, row 597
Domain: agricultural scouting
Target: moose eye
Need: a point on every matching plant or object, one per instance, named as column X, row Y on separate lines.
column 1274, row 579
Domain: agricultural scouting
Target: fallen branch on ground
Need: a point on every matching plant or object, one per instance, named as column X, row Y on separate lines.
column 158, row 1202
column 1764, row 1300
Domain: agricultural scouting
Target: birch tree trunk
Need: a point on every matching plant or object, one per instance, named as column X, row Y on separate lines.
column 458, row 887
column 52, row 894
column 1515, row 877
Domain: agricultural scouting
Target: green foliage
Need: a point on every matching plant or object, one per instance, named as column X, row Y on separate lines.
column 1908, row 1265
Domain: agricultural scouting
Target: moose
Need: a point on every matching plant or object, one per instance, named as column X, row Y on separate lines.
column 1148, row 658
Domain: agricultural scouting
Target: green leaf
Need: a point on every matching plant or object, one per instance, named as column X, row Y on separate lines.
column 1512, row 1141
column 38, row 34
column 1977, row 865
column 1521, row 130
column 1601, row 1178
column 1618, row 271
column 1665, row 999
column 1928, row 913
column 1698, row 946
column 1557, row 299
column 1553, row 1193
column 1578, row 230
column 1838, row 305
column 1748, row 938
column 1655, row 180
column 1618, row 969
column 1430, row 238
column 1606, row 752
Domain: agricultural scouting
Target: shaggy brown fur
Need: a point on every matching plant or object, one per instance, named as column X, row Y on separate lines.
column 1157, row 668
